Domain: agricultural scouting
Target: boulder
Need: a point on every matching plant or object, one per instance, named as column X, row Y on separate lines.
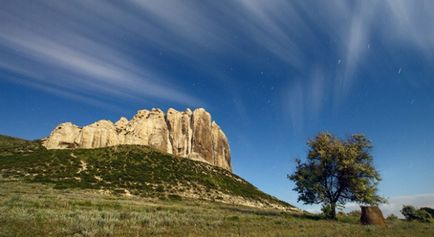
column 372, row 215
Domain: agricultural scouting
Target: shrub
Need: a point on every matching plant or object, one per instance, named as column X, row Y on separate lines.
column 392, row 217
column 429, row 210
column 174, row 197
column 234, row 218
column 423, row 216
column 410, row 213
column 356, row 213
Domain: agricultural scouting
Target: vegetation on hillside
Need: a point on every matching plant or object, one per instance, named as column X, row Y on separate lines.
column 127, row 169
column 12, row 145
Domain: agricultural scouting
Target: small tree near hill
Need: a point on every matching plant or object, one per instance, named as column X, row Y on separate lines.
column 336, row 172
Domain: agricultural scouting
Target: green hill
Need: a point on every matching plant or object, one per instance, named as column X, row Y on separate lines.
column 128, row 170
column 12, row 145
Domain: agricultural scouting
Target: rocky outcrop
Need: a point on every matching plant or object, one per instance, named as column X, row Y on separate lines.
column 372, row 215
column 202, row 143
column 190, row 134
column 181, row 132
column 220, row 147
column 99, row 134
column 63, row 136
column 148, row 128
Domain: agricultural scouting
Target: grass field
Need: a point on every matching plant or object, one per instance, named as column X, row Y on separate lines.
column 31, row 209
column 138, row 191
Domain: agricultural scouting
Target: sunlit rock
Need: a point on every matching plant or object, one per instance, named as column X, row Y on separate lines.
column 190, row 134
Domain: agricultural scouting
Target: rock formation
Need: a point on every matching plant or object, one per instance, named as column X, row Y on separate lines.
column 190, row 134
column 372, row 215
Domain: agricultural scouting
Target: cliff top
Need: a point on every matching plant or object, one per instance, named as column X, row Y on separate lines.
column 189, row 134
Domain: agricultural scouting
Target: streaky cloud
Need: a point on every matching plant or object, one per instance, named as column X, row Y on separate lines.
column 91, row 46
column 97, row 66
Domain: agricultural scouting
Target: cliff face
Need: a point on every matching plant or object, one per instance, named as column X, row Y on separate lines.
column 190, row 134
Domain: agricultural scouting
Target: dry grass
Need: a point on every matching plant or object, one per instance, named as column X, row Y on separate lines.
column 29, row 209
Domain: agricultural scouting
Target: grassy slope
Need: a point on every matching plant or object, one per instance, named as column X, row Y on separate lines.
column 137, row 170
column 32, row 209
column 10, row 145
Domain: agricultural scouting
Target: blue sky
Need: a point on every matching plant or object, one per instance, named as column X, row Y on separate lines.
column 272, row 73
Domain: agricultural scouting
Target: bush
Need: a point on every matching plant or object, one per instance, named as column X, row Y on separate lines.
column 423, row 216
column 174, row 197
column 392, row 217
column 410, row 213
column 355, row 213
column 429, row 210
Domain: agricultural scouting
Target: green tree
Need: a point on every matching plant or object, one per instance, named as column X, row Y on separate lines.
column 336, row 172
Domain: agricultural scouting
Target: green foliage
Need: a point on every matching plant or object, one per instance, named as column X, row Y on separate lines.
column 392, row 217
column 11, row 145
column 429, row 210
column 409, row 212
column 139, row 170
column 329, row 211
column 423, row 216
column 6, row 141
column 337, row 171
column 355, row 213
column 412, row 214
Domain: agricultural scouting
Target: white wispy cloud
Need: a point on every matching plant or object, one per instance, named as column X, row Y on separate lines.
column 296, row 104
column 64, row 55
column 305, row 97
column 276, row 26
column 351, row 28
column 84, row 46
column 355, row 43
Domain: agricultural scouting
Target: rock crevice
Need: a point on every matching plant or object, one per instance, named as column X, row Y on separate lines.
column 190, row 134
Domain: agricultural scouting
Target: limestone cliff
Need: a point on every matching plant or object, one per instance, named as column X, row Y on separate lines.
column 190, row 134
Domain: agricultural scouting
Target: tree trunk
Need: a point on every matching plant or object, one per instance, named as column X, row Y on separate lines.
column 329, row 211
column 333, row 211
